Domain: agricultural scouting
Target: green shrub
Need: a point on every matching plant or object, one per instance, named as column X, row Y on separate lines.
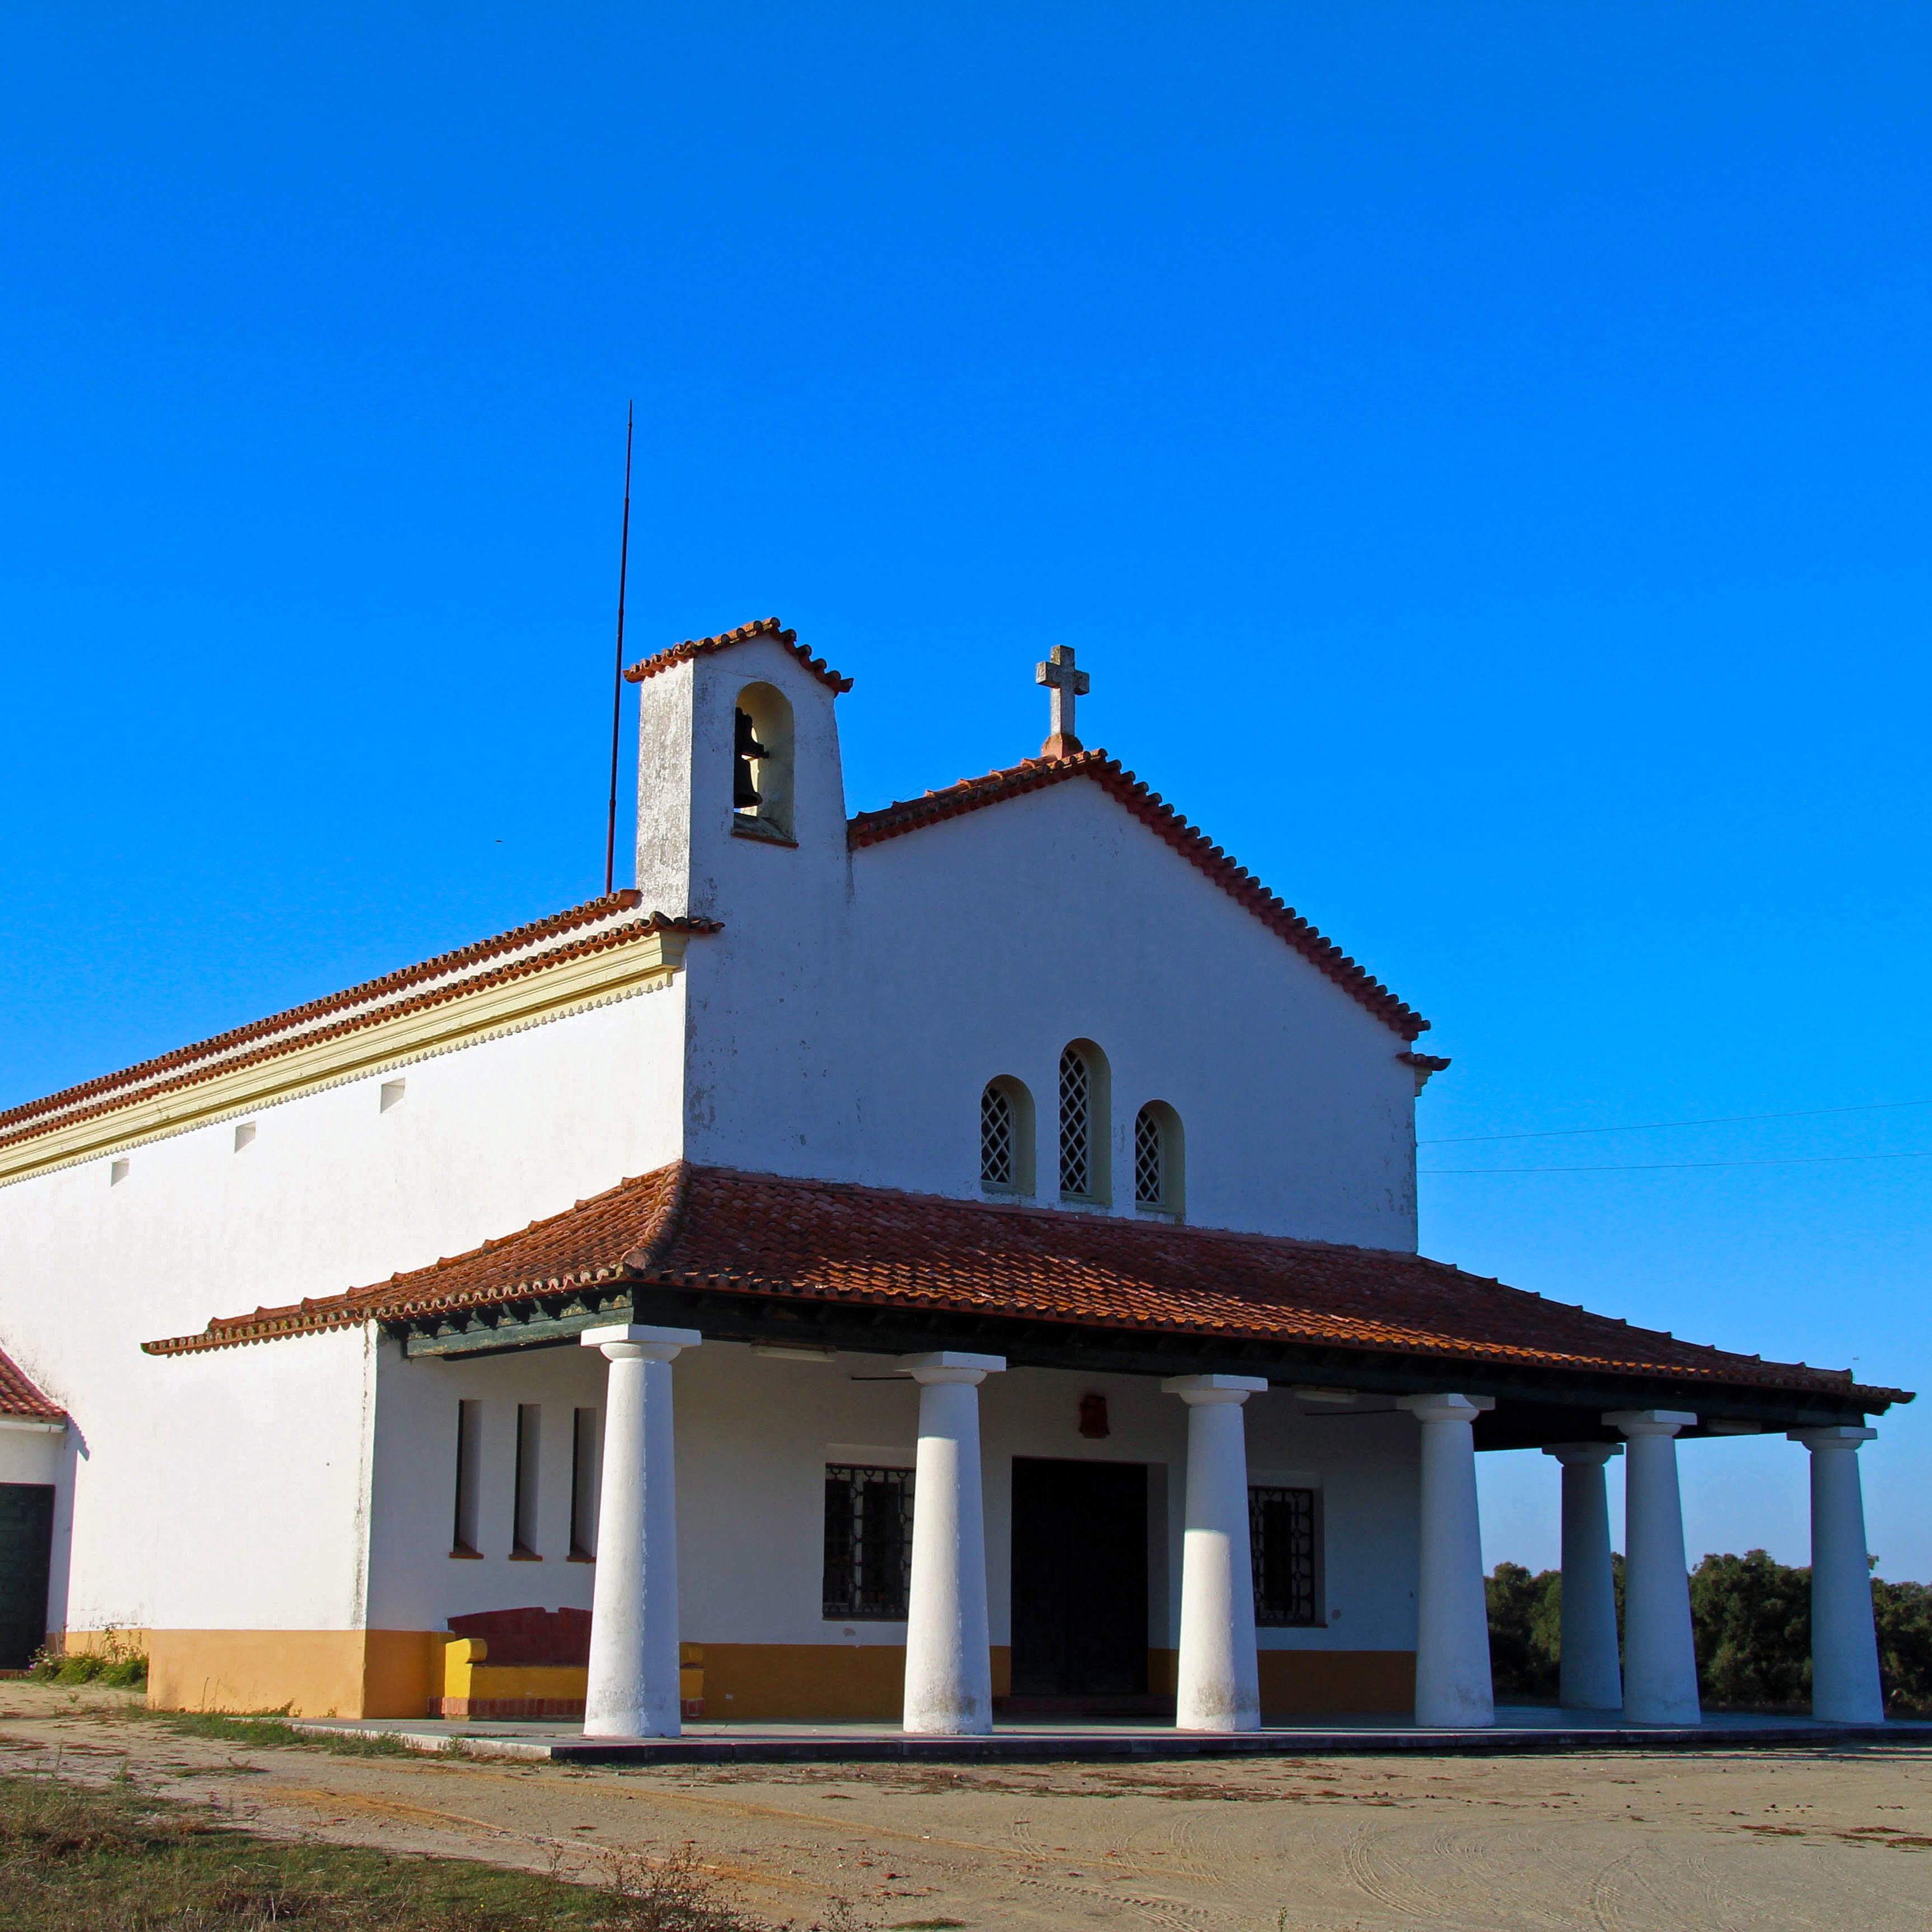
column 1904, row 1613
column 1525, row 1618
column 1751, row 1620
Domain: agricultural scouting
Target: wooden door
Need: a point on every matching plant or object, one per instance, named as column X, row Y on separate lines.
column 1079, row 1579
column 26, row 1542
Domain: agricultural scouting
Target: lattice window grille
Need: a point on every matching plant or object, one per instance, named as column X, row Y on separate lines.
column 1076, row 1126
column 996, row 1138
column 1281, row 1541
column 1149, row 1160
column 868, row 1543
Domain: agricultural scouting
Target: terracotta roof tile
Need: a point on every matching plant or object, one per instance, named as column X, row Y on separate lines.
column 764, row 627
column 685, row 1226
column 527, row 948
column 18, row 1396
column 892, row 821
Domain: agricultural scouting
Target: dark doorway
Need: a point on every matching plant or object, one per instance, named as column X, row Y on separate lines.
column 26, row 1542
column 1080, row 1579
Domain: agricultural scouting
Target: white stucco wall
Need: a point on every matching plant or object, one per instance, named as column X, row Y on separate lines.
column 753, row 1436
column 987, row 942
column 229, row 1489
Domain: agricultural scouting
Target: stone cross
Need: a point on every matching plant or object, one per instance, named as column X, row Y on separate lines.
column 1065, row 685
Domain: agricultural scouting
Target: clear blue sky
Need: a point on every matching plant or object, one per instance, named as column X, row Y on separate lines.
column 1479, row 451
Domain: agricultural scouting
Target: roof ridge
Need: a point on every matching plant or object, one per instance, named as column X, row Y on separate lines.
column 892, row 821
column 183, row 1065
column 761, row 627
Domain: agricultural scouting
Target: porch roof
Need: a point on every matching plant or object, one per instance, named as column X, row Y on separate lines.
column 832, row 1256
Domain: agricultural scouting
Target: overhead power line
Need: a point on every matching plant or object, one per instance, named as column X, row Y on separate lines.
column 1651, row 1127
column 1657, row 1166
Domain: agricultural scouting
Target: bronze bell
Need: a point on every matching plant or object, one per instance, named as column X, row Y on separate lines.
column 744, row 793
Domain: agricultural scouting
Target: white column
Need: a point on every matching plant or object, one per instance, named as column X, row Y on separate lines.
column 632, row 1691
column 948, row 1668
column 1845, row 1688
column 1659, row 1661
column 1591, row 1678
column 1219, row 1687
column 1452, row 1617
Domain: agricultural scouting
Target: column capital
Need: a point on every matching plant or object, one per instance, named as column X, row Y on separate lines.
column 1651, row 1421
column 1214, row 1388
column 1582, row 1455
column 1446, row 1407
column 627, row 1341
column 1841, row 1437
column 948, row 1365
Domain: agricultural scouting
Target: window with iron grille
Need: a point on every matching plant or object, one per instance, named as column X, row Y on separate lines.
column 1076, row 1125
column 997, row 1138
column 1282, row 1540
column 1149, row 1160
column 868, row 1543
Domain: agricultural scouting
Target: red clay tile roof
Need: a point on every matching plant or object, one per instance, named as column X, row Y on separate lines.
column 830, row 1241
column 764, row 627
column 870, row 828
column 18, row 1396
column 535, row 947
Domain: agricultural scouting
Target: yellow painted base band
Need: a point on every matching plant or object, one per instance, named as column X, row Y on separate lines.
column 396, row 1673
column 307, row 1673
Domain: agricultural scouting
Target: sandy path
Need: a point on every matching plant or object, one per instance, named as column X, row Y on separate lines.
column 1610, row 1842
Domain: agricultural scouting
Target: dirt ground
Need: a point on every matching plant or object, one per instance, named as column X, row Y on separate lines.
column 1610, row 1841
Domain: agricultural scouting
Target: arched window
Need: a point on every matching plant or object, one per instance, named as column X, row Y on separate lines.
column 1157, row 1160
column 1006, row 1137
column 1083, row 1134
column 761, row 764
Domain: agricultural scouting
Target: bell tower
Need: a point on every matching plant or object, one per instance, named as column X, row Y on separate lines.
column 741, row 818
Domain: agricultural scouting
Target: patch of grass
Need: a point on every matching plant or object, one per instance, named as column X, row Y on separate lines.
column 116, row 1859
column 271, row 1728
column 114, row 1662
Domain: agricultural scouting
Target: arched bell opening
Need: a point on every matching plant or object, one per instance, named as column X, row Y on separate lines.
column 762, row 764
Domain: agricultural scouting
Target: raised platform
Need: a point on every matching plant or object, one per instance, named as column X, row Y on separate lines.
column 1519, row 1729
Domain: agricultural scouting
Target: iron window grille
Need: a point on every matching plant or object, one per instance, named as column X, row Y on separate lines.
column 1076, row 1123
column 1149, row 1160
column 1281, row 1538
column 868, row 1544
column 997, row 1138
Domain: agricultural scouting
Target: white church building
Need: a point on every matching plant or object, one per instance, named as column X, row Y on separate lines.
column 823, row 1284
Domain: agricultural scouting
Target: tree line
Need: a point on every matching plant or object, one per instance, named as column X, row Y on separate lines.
column 1750, row 1618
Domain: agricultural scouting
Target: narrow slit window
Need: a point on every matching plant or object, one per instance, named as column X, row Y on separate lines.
column 529, row 1453
column 1076, row 1125
column 868, row 1544
column 584, row 1486
column 468, row 1471
column 1283, row 1543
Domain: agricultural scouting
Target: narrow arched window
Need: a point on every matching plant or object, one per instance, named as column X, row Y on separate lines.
column 1006, row 1137
column 1083, row 1123
column 1076, row 1124
column 1157, row 1160
column 996, row 1138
